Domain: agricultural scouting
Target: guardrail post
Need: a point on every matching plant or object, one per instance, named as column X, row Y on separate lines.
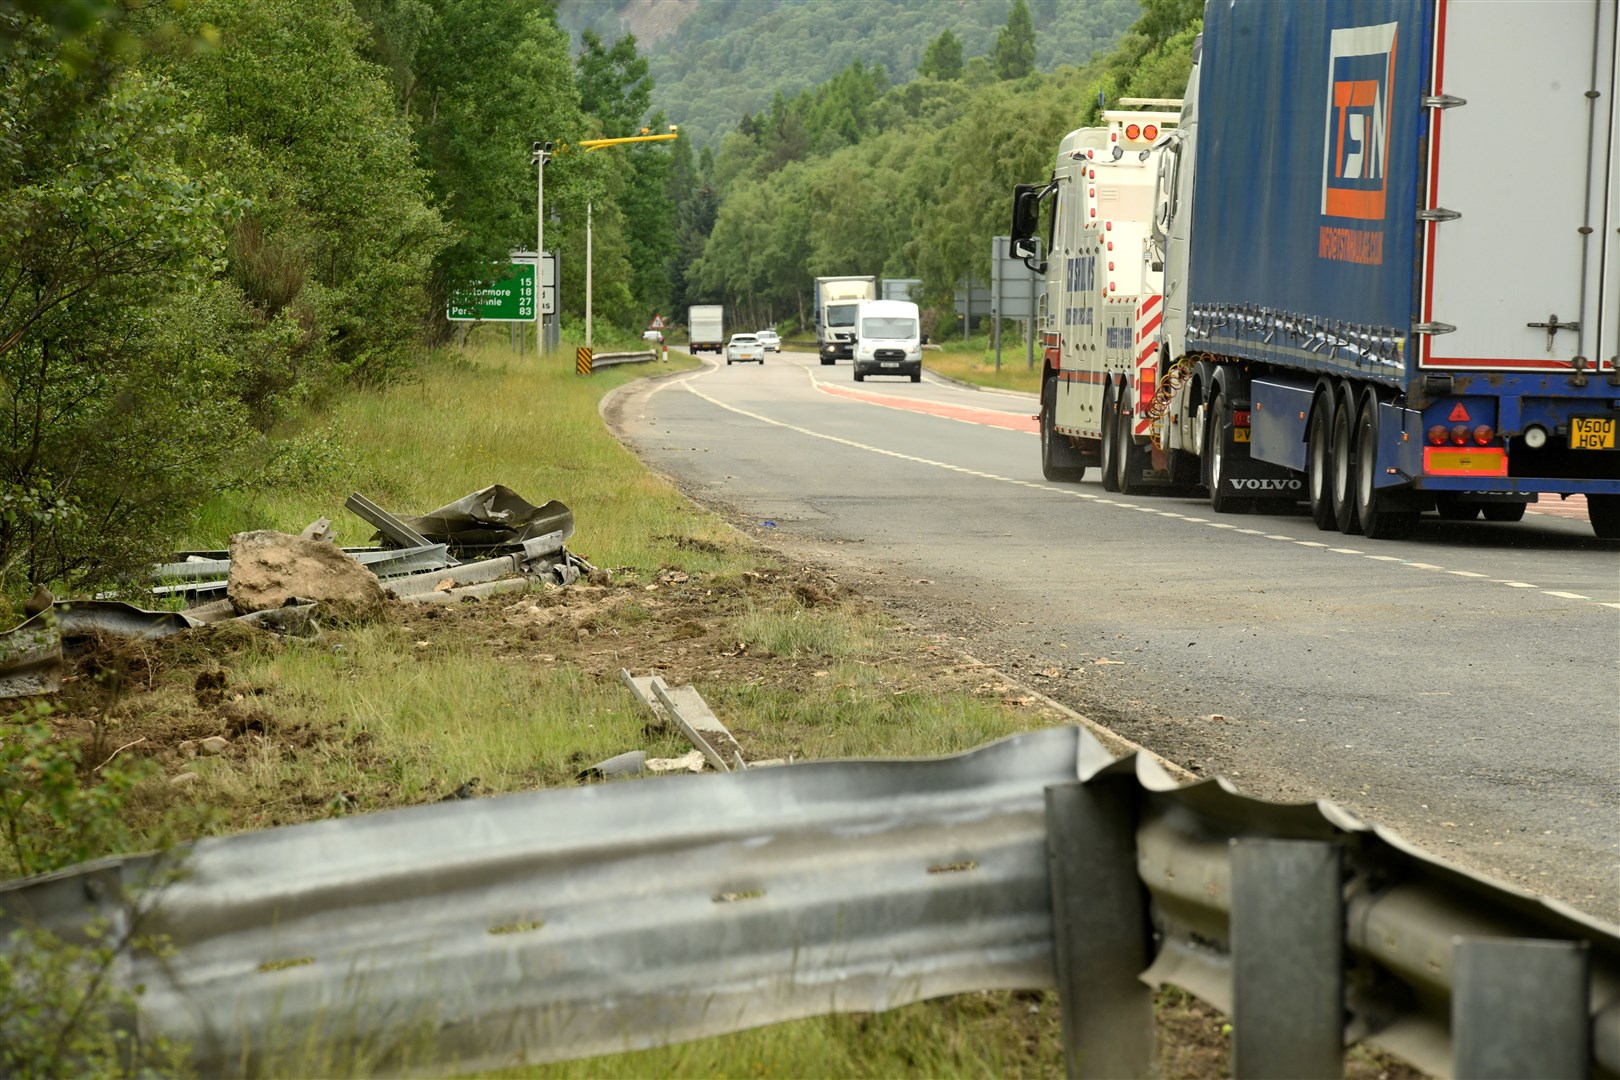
column 1100, row 926
column 1519, row 1008
column 1287, row 933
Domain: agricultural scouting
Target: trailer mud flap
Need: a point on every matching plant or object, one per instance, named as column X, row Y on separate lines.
column 1245, row 477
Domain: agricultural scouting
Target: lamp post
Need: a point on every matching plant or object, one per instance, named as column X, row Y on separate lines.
column 542, row 153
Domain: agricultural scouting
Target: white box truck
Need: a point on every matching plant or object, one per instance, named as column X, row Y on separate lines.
column 705, row 328
column 837, row 299
column 888, row 340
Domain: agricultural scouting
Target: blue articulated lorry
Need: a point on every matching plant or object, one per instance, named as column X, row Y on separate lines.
column 1388, row 235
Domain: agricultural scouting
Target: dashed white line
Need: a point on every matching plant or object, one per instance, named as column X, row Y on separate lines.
column 685, row 383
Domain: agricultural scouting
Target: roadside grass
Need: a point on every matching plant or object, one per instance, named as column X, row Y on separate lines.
column 521, row 691
column 469, row 419
column 974, row 361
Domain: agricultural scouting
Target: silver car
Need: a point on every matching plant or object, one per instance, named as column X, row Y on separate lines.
column 743, row 348
column 769, row 339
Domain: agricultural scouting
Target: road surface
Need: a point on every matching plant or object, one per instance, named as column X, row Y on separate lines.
column 1461, row 687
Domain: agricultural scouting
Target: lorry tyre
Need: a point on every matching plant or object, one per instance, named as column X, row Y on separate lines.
column 1343, row 488
column 1451, row 508
column 1373, row 507
column 1054, row 449
column 1220, row 418
column 1109, row 448
column 1319, row 463
column 1603, row 511
column 1127, row 457
column 1509, row 511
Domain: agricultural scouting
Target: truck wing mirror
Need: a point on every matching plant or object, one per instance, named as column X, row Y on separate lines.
column 1026, row 219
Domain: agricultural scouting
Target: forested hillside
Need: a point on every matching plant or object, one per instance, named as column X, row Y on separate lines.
column 714, row 60
column 912, row 180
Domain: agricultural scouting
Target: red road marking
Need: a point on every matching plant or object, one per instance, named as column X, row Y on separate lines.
column 1573, row 507
column 986, row 417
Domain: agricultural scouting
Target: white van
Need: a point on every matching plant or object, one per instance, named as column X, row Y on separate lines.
column 888, row 339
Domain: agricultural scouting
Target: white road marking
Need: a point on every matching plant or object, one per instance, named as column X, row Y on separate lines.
column 685, row 382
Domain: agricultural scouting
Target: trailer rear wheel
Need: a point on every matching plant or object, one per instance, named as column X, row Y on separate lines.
column 1110, row 448
column 1373, row 512
column 1452, row 508
column 1059, row 460
column 1603, row 511
column 1220, row 419
column 1345, row 518
column 1504, row 511
column 1319, row 463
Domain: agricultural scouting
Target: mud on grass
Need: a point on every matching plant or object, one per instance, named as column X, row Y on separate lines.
column 522, row 691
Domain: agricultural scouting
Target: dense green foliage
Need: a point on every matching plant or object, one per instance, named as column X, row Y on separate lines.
column 216, row 212
column 859, row 177
column 728, row 57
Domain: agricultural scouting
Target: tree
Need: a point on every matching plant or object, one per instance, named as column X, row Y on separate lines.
column 1014, row 54
column 613, row 84
column 943, row 60
column 116, row 412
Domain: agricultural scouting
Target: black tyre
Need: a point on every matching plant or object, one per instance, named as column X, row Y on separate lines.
column 1220, row 418
column 1512, row 511
column 859, row 377
column 1110, row 448
column 1451, row 508
column 1055, row 453
column 916, row 376
column 1128, row 457
column 1342, row 456
column 1319, row 463
column 1603, row 511
column 1374, row 514
column 728, row 359
column 827, row 361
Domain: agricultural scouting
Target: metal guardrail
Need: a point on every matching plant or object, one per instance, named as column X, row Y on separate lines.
column 609, row 359
column 566, row 923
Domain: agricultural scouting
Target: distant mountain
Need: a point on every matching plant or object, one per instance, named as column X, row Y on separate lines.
column 713, row 60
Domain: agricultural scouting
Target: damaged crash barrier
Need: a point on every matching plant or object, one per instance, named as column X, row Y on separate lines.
column 279, row 582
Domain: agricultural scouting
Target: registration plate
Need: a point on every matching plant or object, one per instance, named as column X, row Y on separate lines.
column 1240, row 434
column 891, row 363
column 1591, row 433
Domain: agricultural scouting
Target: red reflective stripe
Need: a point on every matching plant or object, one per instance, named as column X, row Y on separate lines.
column 1144, row 329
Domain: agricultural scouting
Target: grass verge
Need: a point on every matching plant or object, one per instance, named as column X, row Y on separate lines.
column 521, row 691
column 974, row 361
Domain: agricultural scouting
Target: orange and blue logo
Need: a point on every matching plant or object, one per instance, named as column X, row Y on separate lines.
column 1355, row 154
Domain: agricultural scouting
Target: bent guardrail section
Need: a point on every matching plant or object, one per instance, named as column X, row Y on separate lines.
column 567, row 923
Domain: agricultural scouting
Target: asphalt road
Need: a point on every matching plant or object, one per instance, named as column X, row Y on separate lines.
column 1461, row 687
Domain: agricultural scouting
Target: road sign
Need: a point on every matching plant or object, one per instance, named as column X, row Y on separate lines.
column 509, row 298
column 657, row 323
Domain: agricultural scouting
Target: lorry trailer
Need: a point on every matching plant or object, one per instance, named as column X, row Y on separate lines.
column 705, row 328
column 1351, row 301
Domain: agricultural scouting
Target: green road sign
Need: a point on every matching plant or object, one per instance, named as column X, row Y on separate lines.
column 509, row 298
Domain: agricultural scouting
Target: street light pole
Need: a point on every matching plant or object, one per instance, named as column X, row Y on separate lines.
column 587, row 272
column 542, row 151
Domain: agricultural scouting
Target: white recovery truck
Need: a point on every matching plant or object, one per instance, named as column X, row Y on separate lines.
column 1102, row 303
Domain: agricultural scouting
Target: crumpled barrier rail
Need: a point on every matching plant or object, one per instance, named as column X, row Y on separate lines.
column 567, row 923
